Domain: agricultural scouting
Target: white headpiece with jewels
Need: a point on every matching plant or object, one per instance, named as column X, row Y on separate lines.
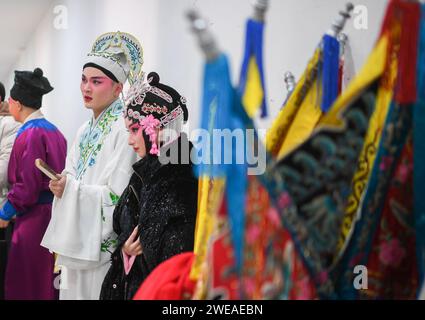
column 120, row 53
column 171, row 122
column 137, row 92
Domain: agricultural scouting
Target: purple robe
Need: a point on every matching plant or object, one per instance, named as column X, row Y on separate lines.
column 30, row 267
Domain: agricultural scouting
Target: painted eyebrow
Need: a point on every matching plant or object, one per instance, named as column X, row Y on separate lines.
column 94, row 78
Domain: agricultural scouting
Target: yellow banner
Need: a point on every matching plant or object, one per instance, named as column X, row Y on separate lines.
column 254, row 94
column 210, row 195
column 373, row 138
column 297, row 119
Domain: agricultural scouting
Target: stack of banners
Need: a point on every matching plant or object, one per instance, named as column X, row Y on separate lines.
column 364, row 136
column 341, row 189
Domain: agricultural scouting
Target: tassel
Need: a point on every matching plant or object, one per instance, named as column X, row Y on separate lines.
column 149, row 124
column 330, row 74
column 154, row 149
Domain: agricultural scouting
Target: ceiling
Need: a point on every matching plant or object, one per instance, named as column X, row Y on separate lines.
column 18, row 20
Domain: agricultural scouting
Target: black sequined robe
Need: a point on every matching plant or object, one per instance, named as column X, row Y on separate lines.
column 162, row 200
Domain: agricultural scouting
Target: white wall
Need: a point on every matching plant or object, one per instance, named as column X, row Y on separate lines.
column 294, row 28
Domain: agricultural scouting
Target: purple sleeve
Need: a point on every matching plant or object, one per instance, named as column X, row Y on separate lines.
column 28, row 184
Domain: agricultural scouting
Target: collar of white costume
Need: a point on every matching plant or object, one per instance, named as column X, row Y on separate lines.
column 94, row 121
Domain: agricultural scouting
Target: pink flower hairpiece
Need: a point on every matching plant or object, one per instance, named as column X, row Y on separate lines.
column 149, row 124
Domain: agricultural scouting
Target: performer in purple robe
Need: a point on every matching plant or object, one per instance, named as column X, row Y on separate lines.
column 29, row 272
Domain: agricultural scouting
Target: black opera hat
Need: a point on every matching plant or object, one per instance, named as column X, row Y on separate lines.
column 30, row 87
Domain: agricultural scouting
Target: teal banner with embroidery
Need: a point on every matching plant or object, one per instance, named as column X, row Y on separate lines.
column 360, row 245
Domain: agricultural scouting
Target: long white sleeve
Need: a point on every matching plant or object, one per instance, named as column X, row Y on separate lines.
column 80, row 230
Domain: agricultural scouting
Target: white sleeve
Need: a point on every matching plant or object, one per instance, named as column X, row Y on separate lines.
column 82, row 218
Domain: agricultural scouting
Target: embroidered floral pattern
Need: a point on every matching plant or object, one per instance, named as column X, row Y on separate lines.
column 114, row 198
column 284, row 200
column 108, row 245
column 102, row 215
column 391, row 253
column 403, row 172
column 303, row 289
column 114, row 201
column 93, row 138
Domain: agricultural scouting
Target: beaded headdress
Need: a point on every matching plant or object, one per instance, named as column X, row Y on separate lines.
column 153, row 100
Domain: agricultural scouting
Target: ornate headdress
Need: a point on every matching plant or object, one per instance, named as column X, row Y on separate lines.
column 149, row 101
column 119, row 55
